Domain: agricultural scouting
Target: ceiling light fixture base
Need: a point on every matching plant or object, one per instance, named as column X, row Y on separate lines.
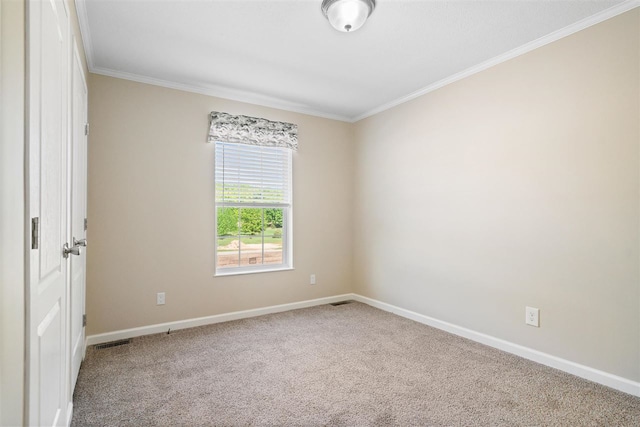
column 347, row 15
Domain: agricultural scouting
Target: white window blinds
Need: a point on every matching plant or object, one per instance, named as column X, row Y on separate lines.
column 252, row 175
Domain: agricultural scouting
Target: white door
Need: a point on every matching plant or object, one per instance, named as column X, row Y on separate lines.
column 78, row 213
column 48, row 84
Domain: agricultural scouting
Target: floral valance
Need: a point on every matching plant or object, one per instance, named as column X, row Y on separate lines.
column 253, row 131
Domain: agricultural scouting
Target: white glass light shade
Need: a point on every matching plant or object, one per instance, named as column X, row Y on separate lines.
column 347, row 15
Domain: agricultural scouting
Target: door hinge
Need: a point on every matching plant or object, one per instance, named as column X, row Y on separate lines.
column 84, row 320
column 85, row 224
column 86, row 129
column 35, row 222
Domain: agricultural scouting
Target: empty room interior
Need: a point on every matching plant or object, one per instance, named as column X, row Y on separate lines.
column 308, row 212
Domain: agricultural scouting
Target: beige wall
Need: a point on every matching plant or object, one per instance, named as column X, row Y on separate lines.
column 11, row 212
column 516, row 186
column 151, row 209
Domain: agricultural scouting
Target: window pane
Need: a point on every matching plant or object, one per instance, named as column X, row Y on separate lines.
column 251, row 237
column 274, row 223
column 228, row 241
column 253, row 196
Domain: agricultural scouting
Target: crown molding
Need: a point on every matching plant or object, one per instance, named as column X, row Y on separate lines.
column 266, row 101
column 217, row 91
column 521, row 50
column 222, row 92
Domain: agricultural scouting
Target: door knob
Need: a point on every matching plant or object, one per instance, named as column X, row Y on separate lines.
column 66, row 250
column 81, row 242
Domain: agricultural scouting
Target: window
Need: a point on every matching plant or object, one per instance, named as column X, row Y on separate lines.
column 253, row 208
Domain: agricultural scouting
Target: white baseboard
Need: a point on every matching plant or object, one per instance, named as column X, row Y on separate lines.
column 209, row 320
column 591, row 374
column 586, row 372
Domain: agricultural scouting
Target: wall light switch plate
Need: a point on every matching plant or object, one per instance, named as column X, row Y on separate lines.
column 532, row 316
column 312, row 279
column 160, row 298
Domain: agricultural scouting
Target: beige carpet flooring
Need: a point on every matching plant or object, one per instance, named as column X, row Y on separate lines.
column 350, row 365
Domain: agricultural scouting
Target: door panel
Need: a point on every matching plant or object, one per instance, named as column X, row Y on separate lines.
column 48, row 71
column 50, row 358
column 78, row 213
column 53, row 141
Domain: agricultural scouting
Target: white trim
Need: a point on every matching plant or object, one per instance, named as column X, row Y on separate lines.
column 521, row 50
column 209, row 320
column 76, row 54
column 266, row 101
column 610, row 380
column 83, row 22
column 222, row 92
column 69, row 413
column 591, row 374
column 238, row 271
column 213, row 90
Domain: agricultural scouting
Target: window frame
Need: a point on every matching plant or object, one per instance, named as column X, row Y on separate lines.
column 287, row 227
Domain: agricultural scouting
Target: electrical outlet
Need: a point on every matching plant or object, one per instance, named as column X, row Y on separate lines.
column 532, row 316
column 160, row 298
column 312, row 279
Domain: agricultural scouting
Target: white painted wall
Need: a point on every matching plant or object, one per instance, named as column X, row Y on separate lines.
column 516, row 186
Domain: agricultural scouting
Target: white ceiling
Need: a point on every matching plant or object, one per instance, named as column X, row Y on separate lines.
column 284, row 54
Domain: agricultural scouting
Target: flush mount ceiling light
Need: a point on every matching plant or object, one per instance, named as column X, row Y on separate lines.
column 347, row 15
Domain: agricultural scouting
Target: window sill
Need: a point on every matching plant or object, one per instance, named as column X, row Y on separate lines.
column 238, row 273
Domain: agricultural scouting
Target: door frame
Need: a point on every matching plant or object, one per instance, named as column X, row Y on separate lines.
column 75, row 57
